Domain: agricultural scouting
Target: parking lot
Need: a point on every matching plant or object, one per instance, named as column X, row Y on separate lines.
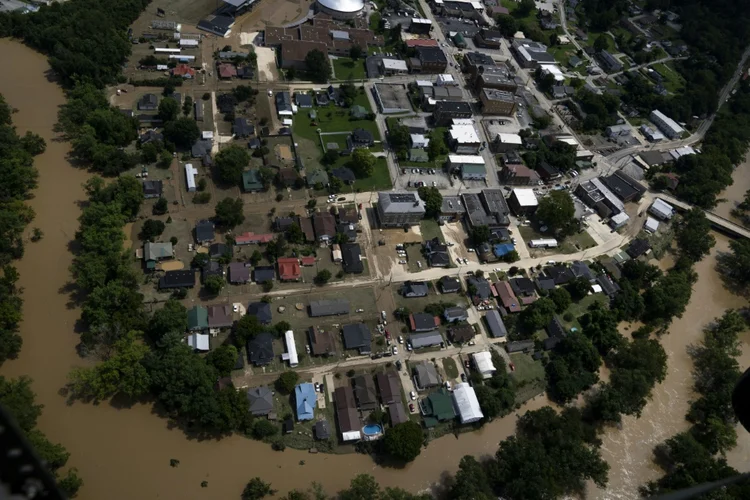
column 411, row 177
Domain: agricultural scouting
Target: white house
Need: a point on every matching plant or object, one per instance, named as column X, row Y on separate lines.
column 661, row 209
column 419, row 141
column 483, row 363
column 190, row 173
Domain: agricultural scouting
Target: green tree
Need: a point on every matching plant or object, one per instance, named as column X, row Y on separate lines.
column 294, row 234
column 556, row 210
column 330, row 157
column 230, row 162
column 600, row 326
column 356, row 52
column 165, row 159
column 70, row 483
column 561, row 298
column 538, row 315
column 436, row 147
column 229, row 213
column 160, row 207
column 362, row 163
column 151, row 229
column 479, row 235
column 287, row 382
column 33, row 143
column 404, row 441
column 601, row 42
column 168, row 109
column 433, row 200
column 669, row 296
column 170, row 318
column 247, row 328
column 628, row 304
column 471, row 481
column 255, row 257
column 243, row 93
column 736, row 264
column 256, row 489
column 318, row 66
column 573, row 367
column 323, row 277
column 223, row 359
column 264, row 428
column 187, row 105
column 182, row 132
column 150, row 152
column 214, row 284
column 578, row 288
column 694, row 237
column 506, row 24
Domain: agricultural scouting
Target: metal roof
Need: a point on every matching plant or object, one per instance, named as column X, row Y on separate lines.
column 343, row 5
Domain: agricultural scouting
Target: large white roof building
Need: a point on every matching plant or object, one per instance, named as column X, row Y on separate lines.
column 466, row 403
column 483, row 363
column 341, row 9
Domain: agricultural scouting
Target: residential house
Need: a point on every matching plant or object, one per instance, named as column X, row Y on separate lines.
column 264, row 274
column 303, row 100
column 519, row 175
column 423, row 322
column 495, row 324
column 522, row 286
column 220, row 316
column 325, row 226
column 155, row 252
column 197, row 319
column 346, row 414
column 289, row 269
column 352, row 258
column 283, row 103
column 281, row 224
column 559, row 273
column 344, row 174
column 455, row 314
column 305, row 400
column 357, row 336
column 151, row 136
column 461, row 333
column 322, row 430
column 397, row 413
column 482, row 362
column 425, row 339
column 262, row 311
column 211, row 268
column 611, row 63
column 437, row 253
column 545, row 284
column 479, row 288
column 437, row 407
column 177, row 279
column 260, row 349
column 519, row 346
column 609, row 287
column 390, row 387
column 582, row 270
column 348, row 215
column 152, row 189
column 219, row 250
column 261, row 401
column 425, row 375
column 242, row 129
column 317, row 176
column 661, row 209
column 507, row 297
column 148, row 102
column 319, row 308
column 227, row 71
column 449, row 284
column 359, row 138
column 321, row 342
column 239, row 273
column 288, row 176
column 399, row 209
column 415, row 289
column 637, row 248
column 365, row 393
column 204, row 231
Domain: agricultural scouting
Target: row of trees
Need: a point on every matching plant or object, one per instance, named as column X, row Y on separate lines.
column 361, row 487
column 18, row 178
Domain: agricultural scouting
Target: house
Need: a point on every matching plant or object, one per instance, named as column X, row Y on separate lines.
column 211, row 268
column 241, row 128
column 204, row 231
column 250, row 238
column 555, row 329
column 281, row 224
column 190, row 173
column 197, row 319
column 305, row 399
column 365, row 393
column 560, row 274
column 609, row 287
column 183, row 70
column 321, row 342
column 399, row 209
column 261, row 401
column 351, row 254
column 488, row 208
column 449, row 284
column 260, row 349
column 425, row 339
column 390, row 387
column 151, row 136
column 325, row 226
column 507, row 297
column 344, row 174
column 283, row 103
column 466, row 403
column 201, row 148
column 455, row 314
column 287, row 427
column 582, row 270
column 461, row 333
column 415, row 289
column 155, row 252
column 262, row 311
column 637, row 248
column 322, row 430
column 199, row 341
column 661, row 209
column 348, row 215
column 317, row 176
column 431, row 60
column 479, row 288
column 610, row 62
column 397, row 413
column 219, row 250
column 437, row 407
column 220, row 316
column 425, row 375
column 303, row 100
column 358, row 112
column 177, row 279
column 522, row 286
column 227, row 71
column 519, row 346
column 289, row 269
column 149, row 102
column 357, row 336
column 490, row 39
column 423, row 322
column 319, row 308
column 547, row 172
column 152, row 189
column 346, row 414
column 307, row 261
column 264, row 274
column 495, row 324
column 545, row 284
column 288, row 176
column 359, row 138
column 239, row 273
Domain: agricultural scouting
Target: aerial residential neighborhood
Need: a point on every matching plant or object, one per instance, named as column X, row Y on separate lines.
column 361, row 226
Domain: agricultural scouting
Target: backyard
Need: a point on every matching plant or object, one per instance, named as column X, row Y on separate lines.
column 578, row 309
column 430, row 229
column 528, row 375
column 345, row 68
column 672, row 80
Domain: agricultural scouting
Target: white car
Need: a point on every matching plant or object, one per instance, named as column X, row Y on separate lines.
column 360, row 310
column 402, row 262
column 498, row 269
column 382, row 314
column 471, row 250
column 413, row 395
column 395, row 350
column 270, row 93
column 236, row 308
column 400, row 339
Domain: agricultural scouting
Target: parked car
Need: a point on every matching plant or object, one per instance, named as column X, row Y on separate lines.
column 413, row 395
column 398, row 364
column 395, row 350
column 411, row 407
column 400, row 339
column 408, row 346
column 463, row 377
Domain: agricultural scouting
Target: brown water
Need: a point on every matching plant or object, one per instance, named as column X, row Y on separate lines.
column 629, row 450
column 735, row 193
column 124, row 454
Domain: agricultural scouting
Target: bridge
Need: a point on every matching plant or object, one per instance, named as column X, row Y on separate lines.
column 717, row 221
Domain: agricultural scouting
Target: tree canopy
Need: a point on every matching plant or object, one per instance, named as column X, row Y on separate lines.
column 182, row 132
column 404, row 441
column 694, row 236
column 318, row 66
column 557, row 211
column 229, row 213
column 433, row 200
column 362, row 163
column 230, row 162
column 573, row 367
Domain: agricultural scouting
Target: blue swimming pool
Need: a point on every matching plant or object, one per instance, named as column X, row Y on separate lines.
column 372, row 430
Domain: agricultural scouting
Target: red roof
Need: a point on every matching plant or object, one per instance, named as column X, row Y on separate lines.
column 308, row 261
column 289, row 268
column 421, row 42
column 250, row 237
column 507, row 297
column 183, row 70
column 227, row 70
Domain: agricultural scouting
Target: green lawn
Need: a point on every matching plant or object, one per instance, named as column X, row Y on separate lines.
column 346, row 68
column 527, row 369
column 578, row 309
column 430, row 229
column 379, row 180
column 577, row 242
column 611, row 48
column 672, row 81
column 449, row 365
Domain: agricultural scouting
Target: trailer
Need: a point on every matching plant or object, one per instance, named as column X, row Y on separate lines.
column 188, row 43
column 165, row 50
column 182, row 58
column 166, row 25
column 543, row 243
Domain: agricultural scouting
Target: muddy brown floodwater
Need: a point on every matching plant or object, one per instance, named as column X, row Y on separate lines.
column 124, row 454
column 734, row 194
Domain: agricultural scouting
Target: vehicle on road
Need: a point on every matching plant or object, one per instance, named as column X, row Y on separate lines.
column 400, row 339
column 408, row 346
column 395, row 350
column 411, row 407
column 382, row 314
column 463, row 377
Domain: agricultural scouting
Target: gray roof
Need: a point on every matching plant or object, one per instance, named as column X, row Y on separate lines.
column 357, row 336
column 455, row 313
column 425, row 339
column 495, row 324
column 415, row 289
column 581, row 270
column 426, row 374
column 261, row 400
column 261, row 310
column 322, row 429
column 400, row 203
column 238, row 273
column 261, row 274
column 520, row 345
column 204, row 230
column 397, row 413
column 450, row 284
column 157, row 251
column 423, row 321
column 328, row 307
column 609, row 287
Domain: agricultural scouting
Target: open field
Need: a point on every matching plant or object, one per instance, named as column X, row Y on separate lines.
column 345, row 68
column 430, row 229
column 529, row 377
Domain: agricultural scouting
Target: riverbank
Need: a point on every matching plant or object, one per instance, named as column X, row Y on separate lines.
column 734, row 194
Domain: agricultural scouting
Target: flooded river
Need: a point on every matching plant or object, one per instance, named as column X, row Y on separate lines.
column 124, row 454
column 734, row 194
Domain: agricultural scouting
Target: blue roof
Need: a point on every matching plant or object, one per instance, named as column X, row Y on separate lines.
column 503, row 248
column 304, row 395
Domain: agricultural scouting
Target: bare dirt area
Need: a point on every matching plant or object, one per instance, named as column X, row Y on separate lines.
column 272, row 13
column 186, row 12
column 453, row 232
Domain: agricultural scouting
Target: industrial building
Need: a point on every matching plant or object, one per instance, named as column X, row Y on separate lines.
column 667, row 125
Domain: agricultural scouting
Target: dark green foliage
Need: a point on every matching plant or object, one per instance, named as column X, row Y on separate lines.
column 262, row 429
column 433, row 200
column 736, row 264
column 538, row 315
column 322, row 277
column 247, row 328
column 573, row 367
column 480, row 234
column 471, row 481
column 403, row 442
column 318, row 66
column 578, row 288
column 214, row 284
column 600, row 326
column 694, row 236
column 229, row 213
column 497, row 395
column 256, row 489
column 170, row 318
column 168, row 109
column 561, row 298
column 223, row 359
column 230, row 163
column 669, row 296
column 151, row 229
column 182, row 132
column 287, row 381
column 160, row 207
column 557, row 211
column 362, row 163
column 559, row 155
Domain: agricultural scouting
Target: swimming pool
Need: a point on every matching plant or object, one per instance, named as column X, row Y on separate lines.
column 372, row 430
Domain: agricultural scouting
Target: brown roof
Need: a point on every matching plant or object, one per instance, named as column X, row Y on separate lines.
column 346, row 410
column 220, row 316
column 390, row 387
column 507, row 297
column 307, row 228
column 227, row 70
column 321, row 342
column 314, row 33
column 421, row 42
column 288, row 175
column 292, row 50
column 522, row 171
column 324, row 224
column 349, row 215
column 275, row 35
column 397, row 413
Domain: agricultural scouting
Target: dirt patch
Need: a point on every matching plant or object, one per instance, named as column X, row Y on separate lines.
column 283, row 152
column 172, row 265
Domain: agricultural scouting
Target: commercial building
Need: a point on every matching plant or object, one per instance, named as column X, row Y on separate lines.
column 489, row 39
column 530, row 54
column 399, row 209
column 497, row 102
column 431, row 60
column 624, row 186
column 597, row 196
column 390, row 67
column 667, row 125
column 473, row 61
column 463, row 139
column 391, row 97
column 466, row 403
column 519, row 175
column 523, row 201
column 420, row 26
column 487, row 208
column 340, row 9
column 445, row 112
column 495, row 77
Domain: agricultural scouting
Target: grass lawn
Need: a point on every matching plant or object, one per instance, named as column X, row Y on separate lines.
column 345, row 68
column 673, row 81
column 611, row 46
column 527, row 369
column 380, row 179
column 577, row 242
column 562, row 53
column 430, row 229
column 578, row 309
column 449, row 365
column 414, row 254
